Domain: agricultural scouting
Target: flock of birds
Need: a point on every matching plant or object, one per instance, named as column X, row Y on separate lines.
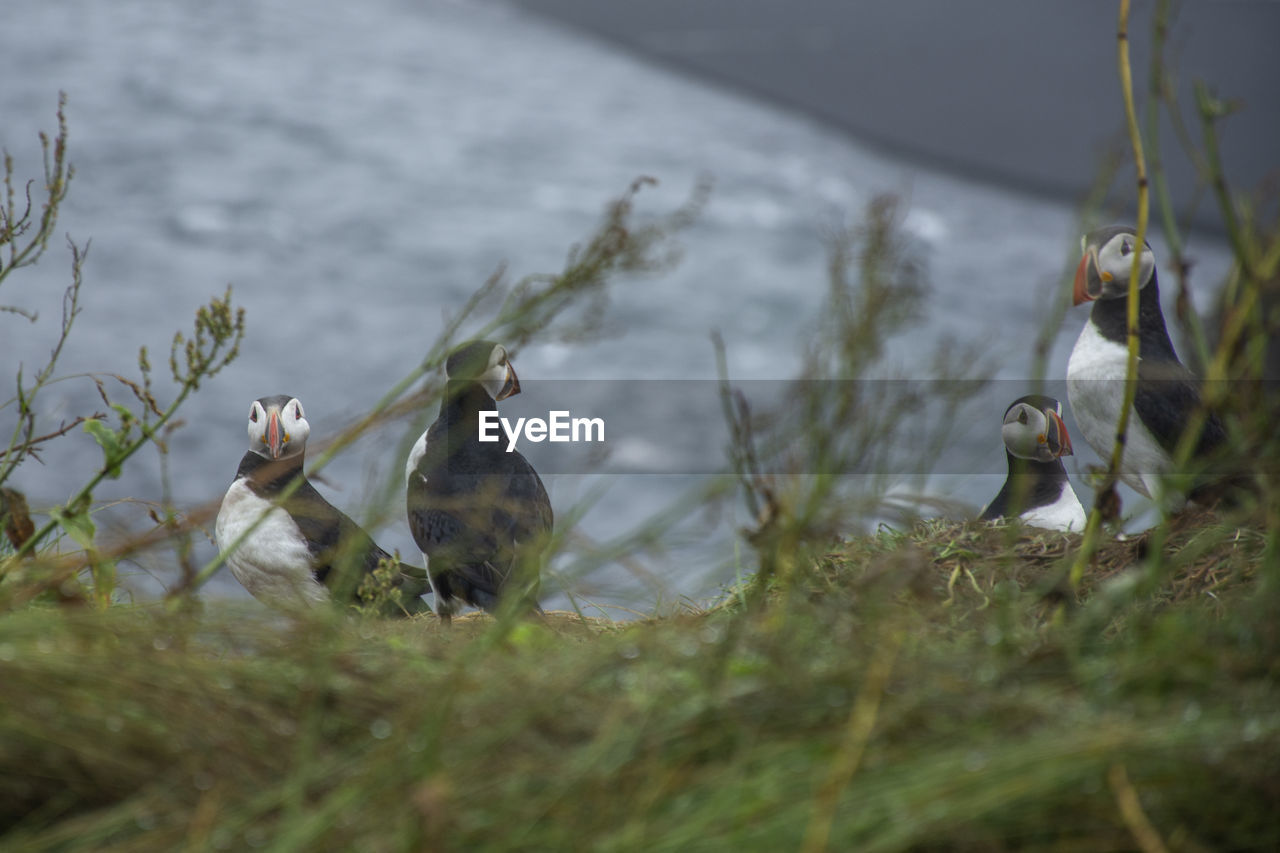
column 482, row 518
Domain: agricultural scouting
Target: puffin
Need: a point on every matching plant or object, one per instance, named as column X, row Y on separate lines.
column 288, row 561
column 1036, row 490
column 478, row 511
column 1167, row 394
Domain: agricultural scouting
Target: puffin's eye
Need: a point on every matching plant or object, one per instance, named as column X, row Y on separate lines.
column 297, row 411
column 1124, row 248
column 253, row 415
column 1022, row 416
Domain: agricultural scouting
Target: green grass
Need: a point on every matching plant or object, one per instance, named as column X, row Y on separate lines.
column 926, row 689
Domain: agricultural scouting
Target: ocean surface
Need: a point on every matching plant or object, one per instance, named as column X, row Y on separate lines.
column 1022, row 93
column 355, row 171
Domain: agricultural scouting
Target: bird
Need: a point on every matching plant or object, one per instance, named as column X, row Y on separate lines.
column 478, row 511
column 289, row 560
column 1037, row 489
column 1167, row 395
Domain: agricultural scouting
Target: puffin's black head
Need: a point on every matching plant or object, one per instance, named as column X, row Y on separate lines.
column 485, row 363
column 277, row 426
column 1108, row 260
column 1033, row 429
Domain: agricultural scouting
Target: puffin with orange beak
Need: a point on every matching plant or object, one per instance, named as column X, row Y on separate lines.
column 1167, row 394
column 1036, row 490
column 289, row 555
column 478, row 511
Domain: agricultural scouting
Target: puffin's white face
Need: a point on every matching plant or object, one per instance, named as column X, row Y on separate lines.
column 1108, row 260
column 499, row 378
column 277, row 427
column 1032, row 433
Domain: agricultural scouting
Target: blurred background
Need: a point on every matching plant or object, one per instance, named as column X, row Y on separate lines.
column 356, row 170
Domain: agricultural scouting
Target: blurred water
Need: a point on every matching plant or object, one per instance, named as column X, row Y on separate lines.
column 355, row 170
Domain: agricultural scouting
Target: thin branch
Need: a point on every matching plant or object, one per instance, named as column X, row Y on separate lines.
column 1106, row 495
column 32, row 316
column 1212, row 109
column 30, row 443
column 1161, row 92
column 57, row 176
column 217, row 329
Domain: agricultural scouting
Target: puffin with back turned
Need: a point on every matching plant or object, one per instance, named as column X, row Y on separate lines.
column 478, row 511
column 290, row 558
column 1037, row 490
column 1167, row 394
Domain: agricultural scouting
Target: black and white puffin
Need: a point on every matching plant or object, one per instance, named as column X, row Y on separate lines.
column 479, row 512
column 1037, row 489
column 1167, row 394
column 289, row 559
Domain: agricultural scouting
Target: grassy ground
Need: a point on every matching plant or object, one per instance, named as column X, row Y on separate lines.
column 930, row 689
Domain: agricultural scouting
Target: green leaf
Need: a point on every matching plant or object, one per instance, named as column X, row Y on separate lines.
column 79, row 525
column 111, row 446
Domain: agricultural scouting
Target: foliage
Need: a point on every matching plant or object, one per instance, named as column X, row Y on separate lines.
column 845, row 414
column 214, row 343
column 925, row 713
column 934, row 686
column 24, row 247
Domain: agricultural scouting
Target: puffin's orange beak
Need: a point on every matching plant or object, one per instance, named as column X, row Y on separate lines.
column 1058, row 439
column 511, row 386
column 275, row 442
column 1083, row 291
column 1080, row 293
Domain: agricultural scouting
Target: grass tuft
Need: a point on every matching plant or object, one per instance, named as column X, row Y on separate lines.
column 876, row 697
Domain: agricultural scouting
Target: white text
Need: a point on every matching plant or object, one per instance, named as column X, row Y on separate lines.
column 559, row 426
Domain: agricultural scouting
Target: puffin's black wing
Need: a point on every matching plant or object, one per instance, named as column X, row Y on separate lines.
column 1167, row 397
column 332, row 537
column 327, row 529
column 460, row 552
column 472, row 527
column 528, row 507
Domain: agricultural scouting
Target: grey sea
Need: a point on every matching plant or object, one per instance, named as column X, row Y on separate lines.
column 354, row 171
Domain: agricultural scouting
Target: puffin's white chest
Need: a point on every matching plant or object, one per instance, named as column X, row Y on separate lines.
column 1095, row 388
column 273, row 562
column 415, row 456
column 1066, row 513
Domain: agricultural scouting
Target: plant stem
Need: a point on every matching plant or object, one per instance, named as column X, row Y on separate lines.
column 82, row 497
column 1131, row 366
